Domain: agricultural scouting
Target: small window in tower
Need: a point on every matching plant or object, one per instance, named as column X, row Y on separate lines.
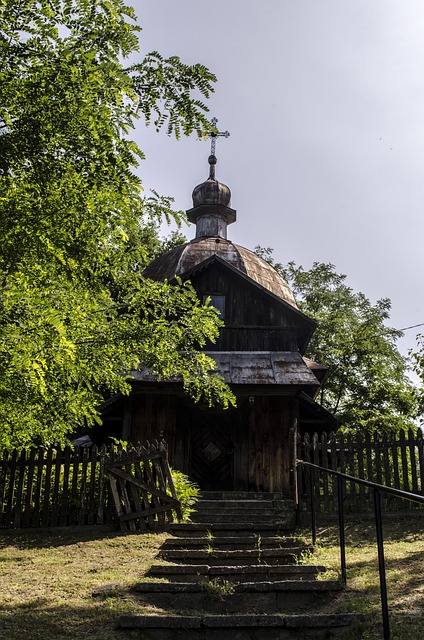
column 216, row 301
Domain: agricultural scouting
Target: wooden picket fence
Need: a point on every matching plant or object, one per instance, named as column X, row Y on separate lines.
column 395, row 461
column 69, row 486
column 86, row 486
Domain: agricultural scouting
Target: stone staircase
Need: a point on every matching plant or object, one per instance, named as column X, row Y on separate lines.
column 236, row 572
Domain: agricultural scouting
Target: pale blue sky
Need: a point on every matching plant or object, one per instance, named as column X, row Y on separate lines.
column 324, row 101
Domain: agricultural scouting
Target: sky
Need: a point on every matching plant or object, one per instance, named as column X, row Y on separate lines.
column 324, row 102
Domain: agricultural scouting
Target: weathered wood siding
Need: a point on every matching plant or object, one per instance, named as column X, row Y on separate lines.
column 254, row 320
column 270, row 420
column 259, row 427
column 151, row 416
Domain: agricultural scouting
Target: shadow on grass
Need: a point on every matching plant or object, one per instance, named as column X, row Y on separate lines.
column 56, row 537
column 37, row 620
column 410, row 561
column 360, row 528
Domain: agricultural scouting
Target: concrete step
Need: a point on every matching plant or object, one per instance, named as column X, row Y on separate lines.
column 204, row 503
column 234, row 561
column 267, row 517
column 240, row 627
column 226, row 529
column 215, row 557
column 234, row 506
column 242, row 505
column 237, row 515
column 221, row 596
column 235, row 573
column 243, row 495
column 265, row 525
column 249, row 541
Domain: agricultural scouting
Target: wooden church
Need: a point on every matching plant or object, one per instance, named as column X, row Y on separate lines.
column 259, row 353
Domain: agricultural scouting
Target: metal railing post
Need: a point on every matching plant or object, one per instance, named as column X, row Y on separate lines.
column 377, row 490
column 295, row 473
column 313, row 515
column 340, row 499
column 381, row 564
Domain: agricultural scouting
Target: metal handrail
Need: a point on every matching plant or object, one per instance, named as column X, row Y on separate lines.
column 378, row 489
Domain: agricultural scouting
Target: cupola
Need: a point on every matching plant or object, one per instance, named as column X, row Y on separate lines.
column 211, row 212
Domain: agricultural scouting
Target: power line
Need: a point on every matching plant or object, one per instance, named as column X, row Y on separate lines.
column 413, row 326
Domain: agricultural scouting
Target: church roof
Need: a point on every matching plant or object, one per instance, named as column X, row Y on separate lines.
column 269, row 368
column 181, row 260
column 212, row 214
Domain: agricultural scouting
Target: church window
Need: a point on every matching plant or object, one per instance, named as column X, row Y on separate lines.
column 216, row 301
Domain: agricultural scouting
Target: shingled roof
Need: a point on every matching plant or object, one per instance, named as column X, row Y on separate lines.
column 181, row 260
column 258, row 368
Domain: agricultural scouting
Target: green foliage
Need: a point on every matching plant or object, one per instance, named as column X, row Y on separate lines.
column 417, row 359
column 367, row 386
column 219, row 588
column 77, row 230
column 175, row 239
column 188, row 493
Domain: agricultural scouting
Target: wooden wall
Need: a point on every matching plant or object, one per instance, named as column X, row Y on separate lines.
column 270, row 420
column 260, row 429
column 254, row 320
column 151, row 416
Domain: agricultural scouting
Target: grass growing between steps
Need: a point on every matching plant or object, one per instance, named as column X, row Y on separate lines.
column 404, row 555
column 47, row 578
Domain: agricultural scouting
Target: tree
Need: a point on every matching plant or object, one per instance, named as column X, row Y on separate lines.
column 75, row 312
column 367, row 386
column 417, row 359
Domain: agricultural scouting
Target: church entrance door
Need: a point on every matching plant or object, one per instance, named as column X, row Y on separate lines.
column 211, row 459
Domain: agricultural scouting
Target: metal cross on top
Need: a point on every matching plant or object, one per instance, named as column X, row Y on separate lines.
column 213, row 136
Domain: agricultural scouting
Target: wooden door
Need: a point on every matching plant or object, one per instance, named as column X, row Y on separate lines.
column 211, row 461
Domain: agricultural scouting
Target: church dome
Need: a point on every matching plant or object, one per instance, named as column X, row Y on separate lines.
column 211, row 213
column 184, row 259
column 211, row 192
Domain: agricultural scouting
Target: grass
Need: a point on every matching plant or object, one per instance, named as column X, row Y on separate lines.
column 219, row 588
column 404, row 556
column 48, row 578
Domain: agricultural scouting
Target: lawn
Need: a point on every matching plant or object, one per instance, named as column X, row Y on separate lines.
column 48, row 578
column 404, row 555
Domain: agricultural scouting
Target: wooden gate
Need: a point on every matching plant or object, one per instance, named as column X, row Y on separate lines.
column 142, row 488
column 212, row 451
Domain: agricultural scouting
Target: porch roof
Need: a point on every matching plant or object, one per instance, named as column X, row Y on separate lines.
column 254, row 368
